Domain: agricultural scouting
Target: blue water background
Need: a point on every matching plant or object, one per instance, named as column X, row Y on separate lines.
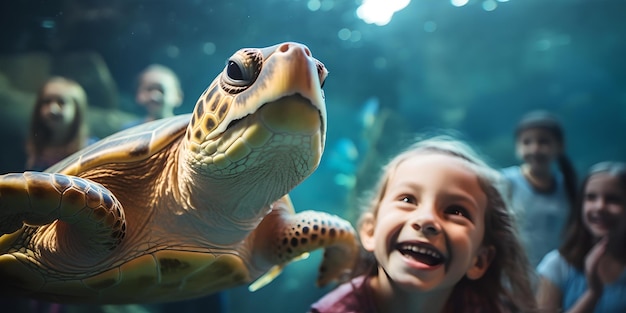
column 433, row 66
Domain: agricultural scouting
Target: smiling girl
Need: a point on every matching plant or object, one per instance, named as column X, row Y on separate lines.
column 588, row 272
column 437, row 237
column 58, row 124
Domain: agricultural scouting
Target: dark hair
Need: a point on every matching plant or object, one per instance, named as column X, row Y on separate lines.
column 578, row 240
column 547, row 121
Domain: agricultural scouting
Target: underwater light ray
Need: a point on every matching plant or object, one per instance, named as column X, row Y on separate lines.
column 380, row 12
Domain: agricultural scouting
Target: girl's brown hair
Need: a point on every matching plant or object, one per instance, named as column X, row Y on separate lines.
column 506, row 285
column 578, row 240
column 40, row 136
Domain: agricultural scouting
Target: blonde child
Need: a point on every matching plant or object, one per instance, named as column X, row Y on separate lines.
column 158, row 92
column 58, row 123
column 587, row 273
column 543, row 187
column 437, row 237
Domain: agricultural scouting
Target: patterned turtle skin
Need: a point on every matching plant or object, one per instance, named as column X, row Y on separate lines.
column 186, row 206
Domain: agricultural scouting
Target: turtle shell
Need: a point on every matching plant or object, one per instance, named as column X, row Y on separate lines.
column 130, row 145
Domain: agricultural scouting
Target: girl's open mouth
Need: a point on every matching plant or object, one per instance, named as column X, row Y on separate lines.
column 422, row 253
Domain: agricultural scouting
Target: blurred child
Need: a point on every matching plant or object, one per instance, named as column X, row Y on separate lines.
column 58, row 124
column 158, row 92
column 587, row 273
column 438, row 237
column 541, row 194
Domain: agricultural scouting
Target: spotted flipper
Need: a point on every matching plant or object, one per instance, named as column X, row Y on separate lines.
column 283, row 237
column 50, row 200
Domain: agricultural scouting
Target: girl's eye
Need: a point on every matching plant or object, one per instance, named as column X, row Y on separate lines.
column 458, row 210
column 590, row 197
column 408, row 199
column 614, row 199
column 544, row 141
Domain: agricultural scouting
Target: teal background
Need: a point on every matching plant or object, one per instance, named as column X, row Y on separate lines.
column 434, row 66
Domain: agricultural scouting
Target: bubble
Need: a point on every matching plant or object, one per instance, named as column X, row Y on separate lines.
column 172, row 51
column 314, row 5
column 327, row 5
column 48, row 23
column 355, row 36
column 489, row 5
column 209, row 48
column 459, row 3
column 344, row 34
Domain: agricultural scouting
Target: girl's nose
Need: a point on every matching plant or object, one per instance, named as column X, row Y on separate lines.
column 599, row 203
column 533, row 147
column 156, row 95
column 54, row 107
column 424, row 218
column 428, row 229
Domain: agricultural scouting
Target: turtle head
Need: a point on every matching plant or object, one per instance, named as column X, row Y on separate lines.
column 259, row 128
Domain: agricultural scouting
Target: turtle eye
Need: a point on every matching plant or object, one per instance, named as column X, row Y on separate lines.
column 238, row 72
column 241, row 70
column 234, row 71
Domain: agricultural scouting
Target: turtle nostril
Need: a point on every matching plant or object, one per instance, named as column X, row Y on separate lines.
column 284, row 48
column 287, row 46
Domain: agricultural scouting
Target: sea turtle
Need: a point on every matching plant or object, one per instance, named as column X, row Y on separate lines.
column 181, row 207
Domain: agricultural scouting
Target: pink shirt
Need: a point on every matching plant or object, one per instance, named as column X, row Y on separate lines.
column 354, row 296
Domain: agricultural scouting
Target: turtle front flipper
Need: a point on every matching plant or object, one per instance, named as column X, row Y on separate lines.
column 73, row 205
column 283, row 236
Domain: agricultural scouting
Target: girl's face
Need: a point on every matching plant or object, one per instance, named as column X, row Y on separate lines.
column 603, row 203
column 429, row 227
column 538, row 147
column 57, row 108
column 158, row 93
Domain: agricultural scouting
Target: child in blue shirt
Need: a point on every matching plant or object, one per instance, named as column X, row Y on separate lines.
column 587, row 273
column 541, row 194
